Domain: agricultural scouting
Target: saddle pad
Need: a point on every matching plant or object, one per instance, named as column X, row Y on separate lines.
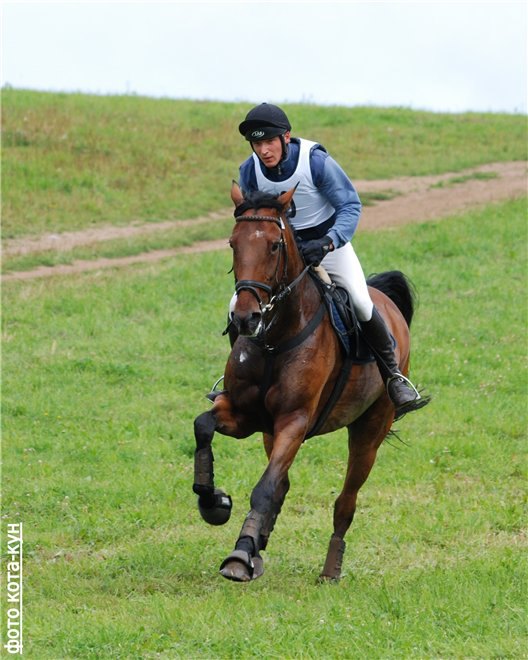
column 347, row 330
column 345, row 323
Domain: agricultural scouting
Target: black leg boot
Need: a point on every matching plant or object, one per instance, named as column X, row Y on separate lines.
column 402, row 392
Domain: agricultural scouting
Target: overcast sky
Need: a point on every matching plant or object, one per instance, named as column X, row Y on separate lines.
column 441, row 56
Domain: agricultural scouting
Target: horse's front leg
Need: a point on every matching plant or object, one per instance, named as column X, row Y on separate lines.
column 281, row 492
column 214, row 505
column 245, row 562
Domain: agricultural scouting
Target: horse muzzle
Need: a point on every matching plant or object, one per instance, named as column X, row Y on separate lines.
column 248, row 325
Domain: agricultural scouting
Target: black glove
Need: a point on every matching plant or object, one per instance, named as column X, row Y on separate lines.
column 315, row 251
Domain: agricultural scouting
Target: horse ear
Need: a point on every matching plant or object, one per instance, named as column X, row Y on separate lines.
column 236, row 194
column 286, row 198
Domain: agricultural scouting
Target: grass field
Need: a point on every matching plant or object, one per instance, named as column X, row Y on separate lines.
column 103, row 375
column 71, row 161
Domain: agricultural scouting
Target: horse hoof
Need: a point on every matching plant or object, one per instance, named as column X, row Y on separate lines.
column 235, row 571
column 328, row 579
column 218, row 511
column 240, row 567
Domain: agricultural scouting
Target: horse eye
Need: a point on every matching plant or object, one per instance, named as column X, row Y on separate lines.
column 275, row 246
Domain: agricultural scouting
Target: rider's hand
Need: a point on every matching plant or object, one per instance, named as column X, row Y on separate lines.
column 316, row 250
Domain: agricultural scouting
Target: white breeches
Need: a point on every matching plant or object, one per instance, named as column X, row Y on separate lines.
column 345, row 270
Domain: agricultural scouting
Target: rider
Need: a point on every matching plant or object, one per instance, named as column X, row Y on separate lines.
column 325, row 216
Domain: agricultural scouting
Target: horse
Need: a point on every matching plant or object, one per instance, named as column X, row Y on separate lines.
column 285, row 378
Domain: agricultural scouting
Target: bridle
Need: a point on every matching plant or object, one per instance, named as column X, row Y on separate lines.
column 284, row 288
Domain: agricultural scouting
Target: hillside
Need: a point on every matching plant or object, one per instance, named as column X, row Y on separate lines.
column 73, row 161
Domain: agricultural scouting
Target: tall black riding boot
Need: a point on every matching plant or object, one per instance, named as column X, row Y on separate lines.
column 401, row 391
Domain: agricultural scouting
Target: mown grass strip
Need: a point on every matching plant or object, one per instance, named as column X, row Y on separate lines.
column 371, row 198
column 147, row 242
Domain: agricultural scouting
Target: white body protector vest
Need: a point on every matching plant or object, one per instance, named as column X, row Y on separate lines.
column 311, row 208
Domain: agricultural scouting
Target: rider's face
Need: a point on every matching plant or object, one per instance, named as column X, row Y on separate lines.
column 270, row 151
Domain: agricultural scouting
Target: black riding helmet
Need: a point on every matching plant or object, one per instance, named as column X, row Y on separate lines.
column 265, row 117
column 265, row 121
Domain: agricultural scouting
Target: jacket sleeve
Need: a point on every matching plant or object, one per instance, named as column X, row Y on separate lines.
column 335, row 185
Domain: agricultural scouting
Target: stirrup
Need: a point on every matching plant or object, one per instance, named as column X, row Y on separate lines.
column 409, row 406
column 398, row 376
column 214, row 392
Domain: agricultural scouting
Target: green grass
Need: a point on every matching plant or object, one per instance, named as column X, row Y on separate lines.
column 71, row 161
column 103, row 376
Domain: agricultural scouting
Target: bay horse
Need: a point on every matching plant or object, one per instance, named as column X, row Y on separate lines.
column 280, row 376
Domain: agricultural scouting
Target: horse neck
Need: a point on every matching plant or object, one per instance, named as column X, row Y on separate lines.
column 301, row 303
column 295, row 262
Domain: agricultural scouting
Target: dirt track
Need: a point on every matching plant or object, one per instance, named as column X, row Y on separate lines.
column 416, row 200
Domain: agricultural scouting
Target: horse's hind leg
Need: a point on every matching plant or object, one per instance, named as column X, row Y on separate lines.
column 365, row 435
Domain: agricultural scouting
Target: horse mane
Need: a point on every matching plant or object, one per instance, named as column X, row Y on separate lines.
column 258, row 200
column 398, row 288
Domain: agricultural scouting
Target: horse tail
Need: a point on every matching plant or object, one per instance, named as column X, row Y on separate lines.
column 398, row 288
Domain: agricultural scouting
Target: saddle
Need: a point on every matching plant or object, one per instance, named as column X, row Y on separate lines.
column 343, row 318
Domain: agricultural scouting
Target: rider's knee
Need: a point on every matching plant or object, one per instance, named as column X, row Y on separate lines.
column 364, row 309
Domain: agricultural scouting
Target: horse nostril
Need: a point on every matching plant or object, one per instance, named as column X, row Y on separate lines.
column 248, row 324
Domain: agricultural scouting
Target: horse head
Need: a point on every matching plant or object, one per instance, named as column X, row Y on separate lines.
column 264, row 254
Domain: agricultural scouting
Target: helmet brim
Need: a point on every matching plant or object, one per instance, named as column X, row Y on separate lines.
column 256, row 132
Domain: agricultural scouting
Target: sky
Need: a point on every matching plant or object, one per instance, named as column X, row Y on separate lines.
column 440, row 56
